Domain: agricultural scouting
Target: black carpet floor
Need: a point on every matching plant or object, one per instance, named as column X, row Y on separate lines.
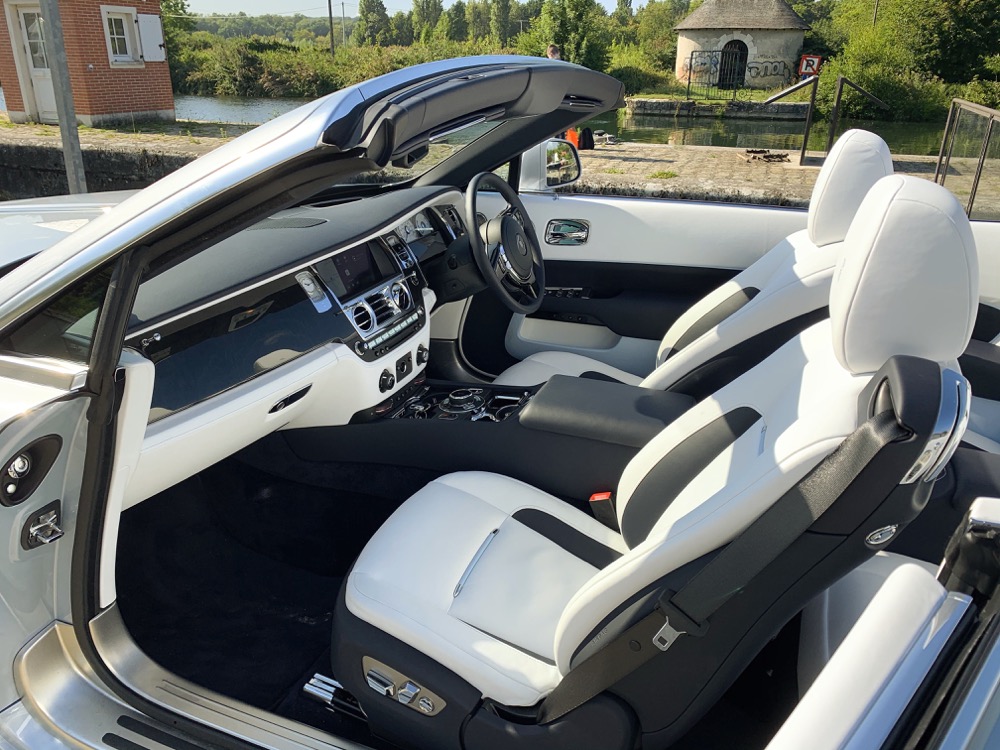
column 213, row 610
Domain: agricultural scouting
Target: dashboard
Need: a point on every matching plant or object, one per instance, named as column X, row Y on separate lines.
column 348, row 274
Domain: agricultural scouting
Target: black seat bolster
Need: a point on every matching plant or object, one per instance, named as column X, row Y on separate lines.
column 604, row 411
column 980, row 365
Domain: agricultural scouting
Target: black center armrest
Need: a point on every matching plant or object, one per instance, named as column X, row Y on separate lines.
column 601, row 410
column 980, row 364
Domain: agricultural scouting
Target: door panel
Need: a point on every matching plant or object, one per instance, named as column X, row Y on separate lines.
column 645, row 262
column 48, row 426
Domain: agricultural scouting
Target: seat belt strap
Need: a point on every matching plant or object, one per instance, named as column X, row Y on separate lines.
column 687, row 612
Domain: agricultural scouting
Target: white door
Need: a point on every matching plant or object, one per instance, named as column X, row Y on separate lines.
column 37, row 53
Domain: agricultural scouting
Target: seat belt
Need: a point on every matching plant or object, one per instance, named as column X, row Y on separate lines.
column 687, row 611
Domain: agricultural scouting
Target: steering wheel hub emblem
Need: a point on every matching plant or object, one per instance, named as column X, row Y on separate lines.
column 521, row 246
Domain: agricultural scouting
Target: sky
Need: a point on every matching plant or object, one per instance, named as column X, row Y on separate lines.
column 305, row 7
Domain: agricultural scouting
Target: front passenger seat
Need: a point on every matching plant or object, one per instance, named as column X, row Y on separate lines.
column 487, row 614
column 747, row 318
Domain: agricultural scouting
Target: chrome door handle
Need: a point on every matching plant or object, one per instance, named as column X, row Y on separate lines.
column 567, row 232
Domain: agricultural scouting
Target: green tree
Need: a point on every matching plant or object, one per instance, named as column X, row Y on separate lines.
column 458, row 24
column 581, row 28
column 373, row 24
column 655, row 30
column 401, row 28
column 477, row 17
column 177, row 27
column 500, row 21
column 425, row 17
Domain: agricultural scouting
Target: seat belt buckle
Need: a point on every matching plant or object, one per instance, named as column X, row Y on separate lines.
column 602, row 505
column 677, row 623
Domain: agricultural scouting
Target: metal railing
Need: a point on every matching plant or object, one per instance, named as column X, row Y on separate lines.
column 974, row 130
column 834, row 113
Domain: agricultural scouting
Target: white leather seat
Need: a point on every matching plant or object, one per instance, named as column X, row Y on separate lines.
column 539, row 579
column 790, row 280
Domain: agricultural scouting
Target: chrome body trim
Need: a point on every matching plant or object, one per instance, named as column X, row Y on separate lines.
column 45, row 371
column 975, row 724
column 130, row 665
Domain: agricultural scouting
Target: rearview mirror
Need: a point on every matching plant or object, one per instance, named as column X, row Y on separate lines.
column 562, row 163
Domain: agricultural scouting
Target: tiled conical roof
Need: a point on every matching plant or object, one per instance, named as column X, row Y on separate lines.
column 743, row 14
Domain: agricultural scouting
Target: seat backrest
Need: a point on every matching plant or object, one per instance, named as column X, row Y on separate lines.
column 907, row 284
column 788, row 282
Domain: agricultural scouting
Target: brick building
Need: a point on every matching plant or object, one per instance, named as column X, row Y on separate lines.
column 117, row 61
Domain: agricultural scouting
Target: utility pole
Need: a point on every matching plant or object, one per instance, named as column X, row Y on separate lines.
column 343, row 22
column 59, row 67
column 875, row 15
column 329, row 8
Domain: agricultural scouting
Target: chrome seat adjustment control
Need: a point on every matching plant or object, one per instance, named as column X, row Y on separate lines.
column 390, row 682
column 407, row 692
column 380, row 683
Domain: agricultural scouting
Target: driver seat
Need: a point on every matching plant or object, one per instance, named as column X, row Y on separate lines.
column 747, row 318
column 478, row 604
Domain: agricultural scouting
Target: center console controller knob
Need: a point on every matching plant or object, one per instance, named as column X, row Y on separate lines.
column 386, row 381
column 423, row 355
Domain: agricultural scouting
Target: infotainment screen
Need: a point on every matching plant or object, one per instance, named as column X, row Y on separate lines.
column 356, row 269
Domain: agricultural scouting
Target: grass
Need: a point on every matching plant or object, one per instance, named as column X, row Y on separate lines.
column 663, row 175
column 614, row 170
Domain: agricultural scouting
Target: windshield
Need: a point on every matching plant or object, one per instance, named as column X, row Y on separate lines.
column 441, row 148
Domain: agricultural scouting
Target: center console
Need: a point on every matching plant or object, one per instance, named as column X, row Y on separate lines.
column 570, row 437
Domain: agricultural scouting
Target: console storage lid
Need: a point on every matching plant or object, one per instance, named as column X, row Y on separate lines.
column 602, row 410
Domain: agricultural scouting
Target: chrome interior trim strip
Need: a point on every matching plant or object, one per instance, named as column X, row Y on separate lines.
column 472, row 564
column 953, row 380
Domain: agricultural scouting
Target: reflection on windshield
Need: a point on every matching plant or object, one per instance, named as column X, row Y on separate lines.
column 439, row 150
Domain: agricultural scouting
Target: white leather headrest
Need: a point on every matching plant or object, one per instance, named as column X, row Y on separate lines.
column 857, row 161
column 908, row 280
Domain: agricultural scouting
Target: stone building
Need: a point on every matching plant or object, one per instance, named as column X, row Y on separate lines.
column 737, row 43
column 117, row 61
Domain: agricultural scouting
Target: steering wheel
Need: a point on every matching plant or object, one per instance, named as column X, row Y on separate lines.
column 506, row 248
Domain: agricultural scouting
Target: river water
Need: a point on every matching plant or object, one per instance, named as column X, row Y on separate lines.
column 903, row 137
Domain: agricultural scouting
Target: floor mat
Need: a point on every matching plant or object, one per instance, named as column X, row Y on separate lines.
column 213, row 610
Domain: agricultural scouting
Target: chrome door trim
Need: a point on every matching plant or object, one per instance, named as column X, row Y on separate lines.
column 567, row 232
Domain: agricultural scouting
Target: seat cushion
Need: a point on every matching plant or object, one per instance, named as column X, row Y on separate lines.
column 520, row 554
column 539, row 367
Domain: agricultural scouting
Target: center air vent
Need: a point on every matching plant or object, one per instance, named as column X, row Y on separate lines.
column 381, row 305
column 363, row 317
column 400, row 296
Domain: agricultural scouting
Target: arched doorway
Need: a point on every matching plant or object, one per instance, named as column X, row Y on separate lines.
column 733, row 65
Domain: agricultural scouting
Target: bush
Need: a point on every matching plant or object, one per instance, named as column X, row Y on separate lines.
column 636, row 71
column 887, row 71
column 986, row 93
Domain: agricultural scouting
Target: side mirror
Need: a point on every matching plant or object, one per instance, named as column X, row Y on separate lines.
column 562, row 163
column 548, row 165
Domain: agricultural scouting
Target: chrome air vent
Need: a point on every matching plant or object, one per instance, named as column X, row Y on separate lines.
column 381, row 305
column 363, row 317
column 404, row 257
column 453, row 220
column 400, row 296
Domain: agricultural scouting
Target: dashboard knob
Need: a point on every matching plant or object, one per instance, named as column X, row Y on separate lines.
column 422, row 355
column 386, row 381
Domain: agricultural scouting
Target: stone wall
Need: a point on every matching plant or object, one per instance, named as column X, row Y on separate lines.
column 32, row 170
column 772, row 59
column 734, row 109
